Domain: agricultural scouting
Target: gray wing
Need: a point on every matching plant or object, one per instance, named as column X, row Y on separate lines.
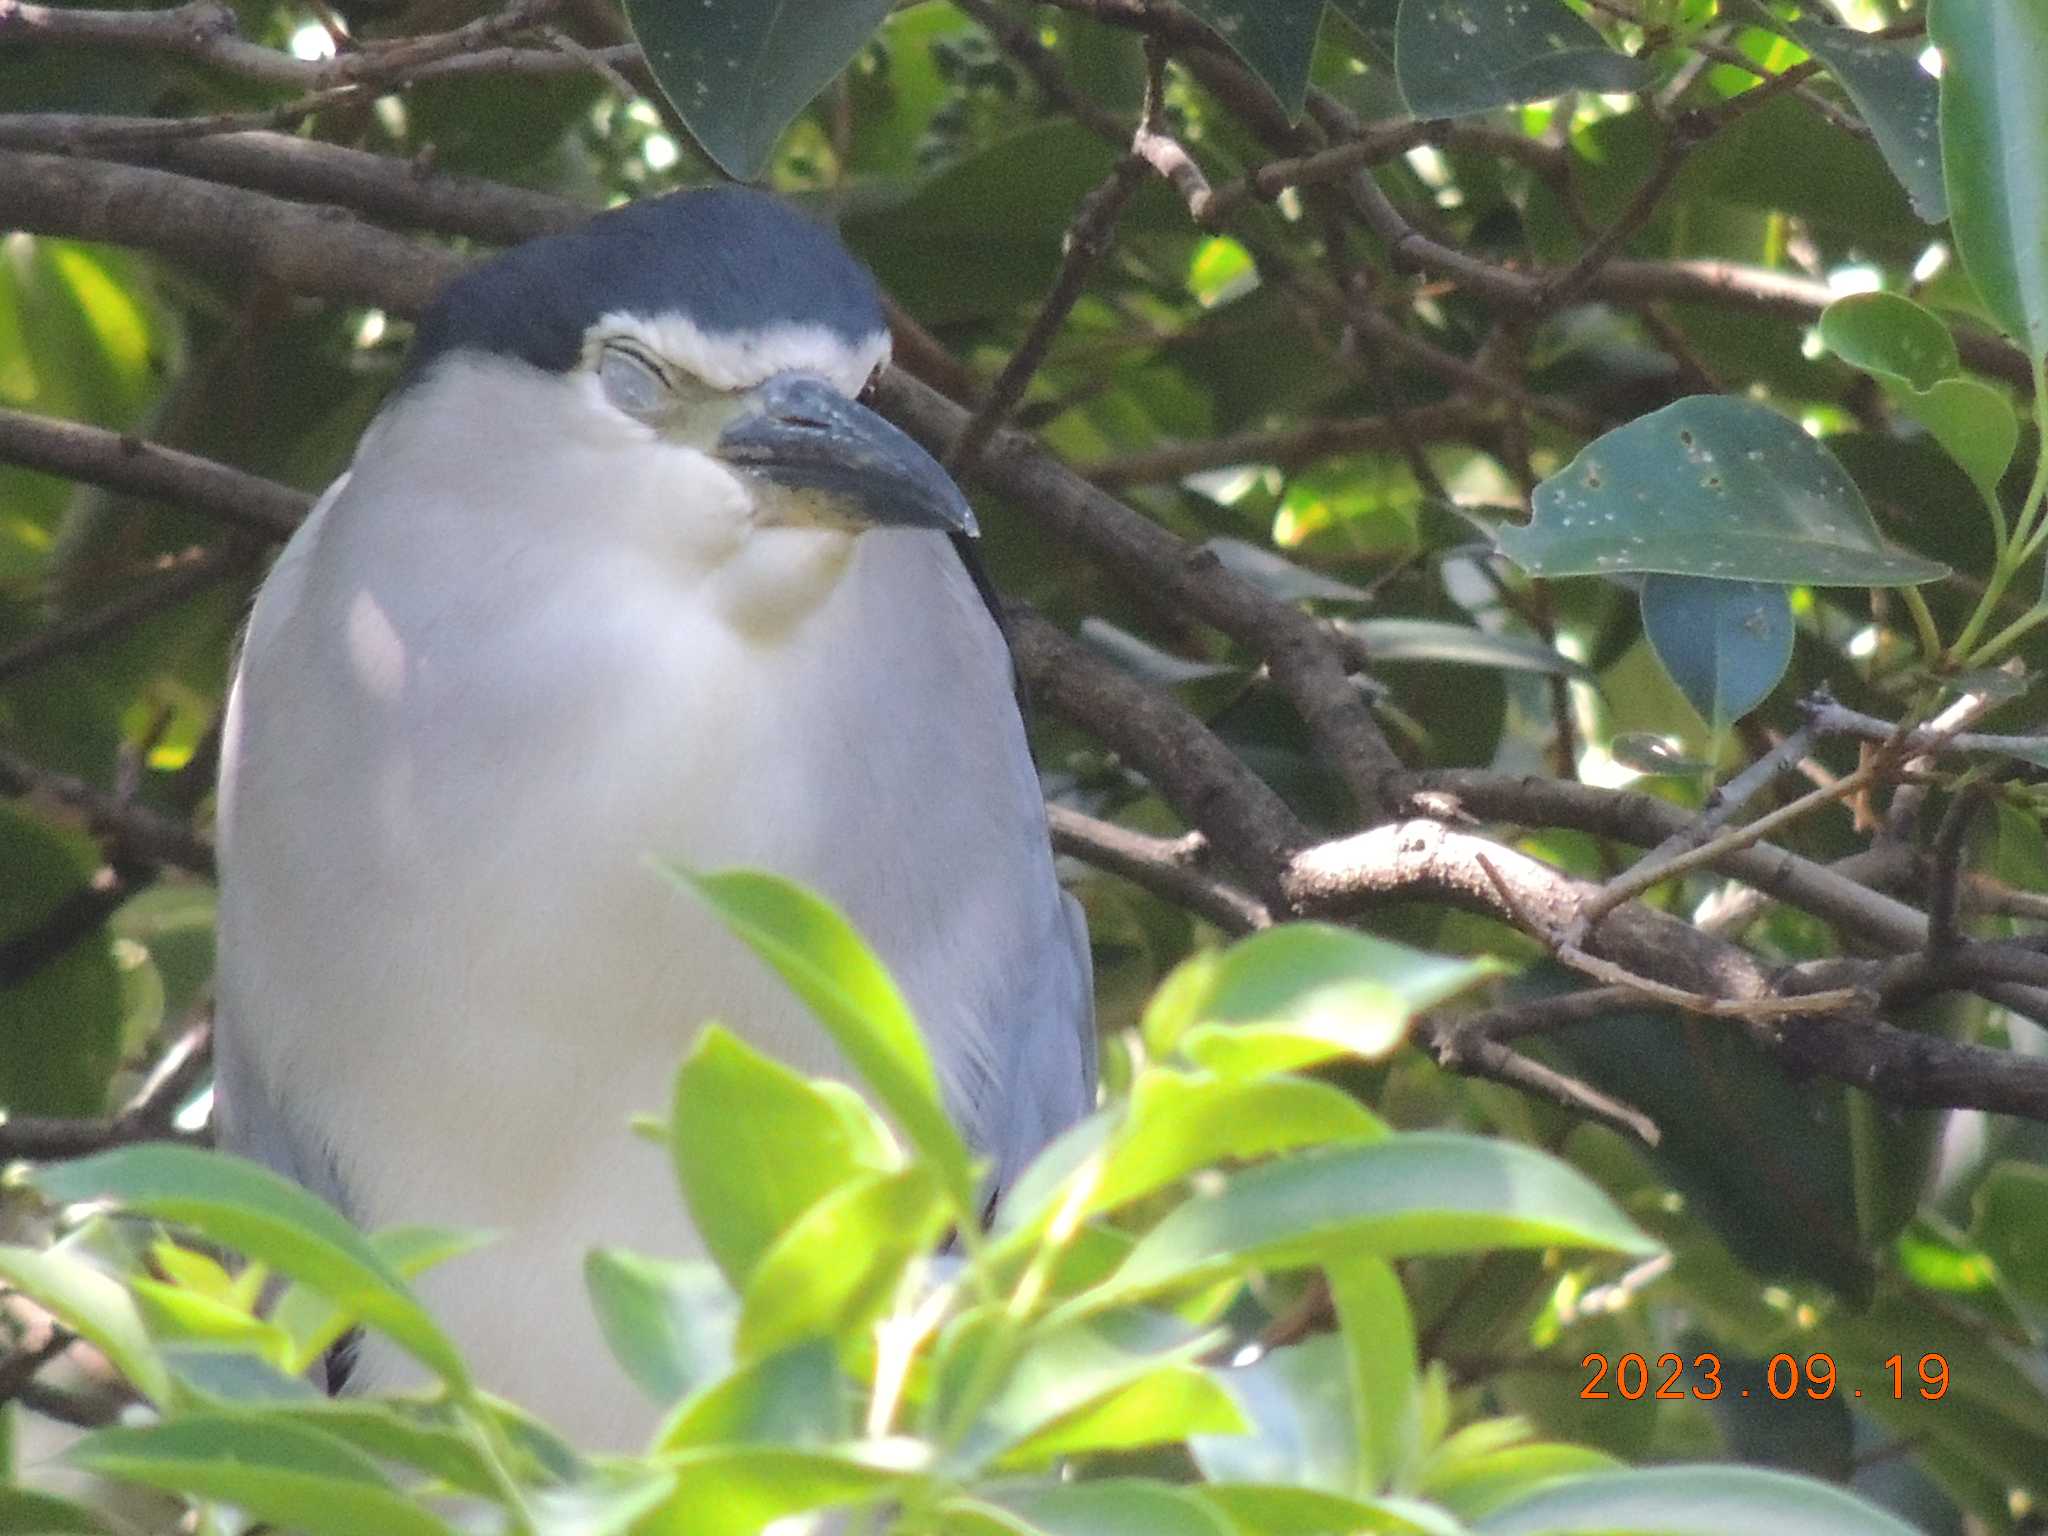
column 1049, row 1072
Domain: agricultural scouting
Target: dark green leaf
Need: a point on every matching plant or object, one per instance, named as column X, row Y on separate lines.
column 1711, row 486
column 263, row 1217
column 1647, row 753
column 1899, row 100
column 24, row 1512
column 1277, row 38
column 739, row 71
column 2011, row 1224
column 1690, row 1501
column 1994, row 154
column 1458, row 57
column 1725, row 643
column 1433, row 641
column 61, row 1020
column 283, row 1473
column 1273, row 1510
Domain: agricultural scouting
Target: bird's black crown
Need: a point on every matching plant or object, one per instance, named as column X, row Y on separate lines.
column 730, row 259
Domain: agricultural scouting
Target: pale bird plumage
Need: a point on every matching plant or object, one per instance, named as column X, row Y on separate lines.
column 532, row 639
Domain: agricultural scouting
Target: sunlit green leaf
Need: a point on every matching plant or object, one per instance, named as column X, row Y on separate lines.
column 1912, row 352
column 669, row 1322
column 1423, row 1192
column 93, row 1305
column 814, row 949
column 1690, row 1501
column 841, row 1258
column 261, row 1216
column 736, row 1115
column 284, row 1473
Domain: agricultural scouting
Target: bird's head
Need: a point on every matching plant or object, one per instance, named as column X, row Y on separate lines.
column 717, row 331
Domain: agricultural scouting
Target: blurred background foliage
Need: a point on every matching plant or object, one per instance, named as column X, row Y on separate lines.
column 1336, row 428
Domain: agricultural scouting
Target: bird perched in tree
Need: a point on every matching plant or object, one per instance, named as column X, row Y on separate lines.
column 623, row 568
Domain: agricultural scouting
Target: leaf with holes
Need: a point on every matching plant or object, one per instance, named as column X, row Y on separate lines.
column 1710, row 486
column 1725, row 643
column 1912, row 354
column 1277, row 38
column 739, row 71
column 1898, row 99
column 1457, row 57
column 1994, row 154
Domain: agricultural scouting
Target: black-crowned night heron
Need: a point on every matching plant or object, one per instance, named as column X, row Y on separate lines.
column 622, row 569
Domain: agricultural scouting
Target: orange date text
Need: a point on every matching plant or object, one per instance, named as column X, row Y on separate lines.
column 1634, row 1377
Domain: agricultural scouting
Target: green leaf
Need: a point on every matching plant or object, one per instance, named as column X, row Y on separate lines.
column 1276, row 38
column 669, row 1322
column 315, row 1322
column 1493, row 1463
column 1112, row 1506
column 1434, row 641
column 1994, row 154
column 1064, row 1370
column 1725, row 643
column 428, row 1437
column 793, row 1398
column 62, row 1021
column 1898, row 99
column 1645, row 752
column 93, row 1305
column 840, row 1262
column 1281, row 577
column 814, row 949
column 1710, row 486
column 1413, row 1194
column 1458, row 57
column 1273, row 1510
column 1912, row 353
column 608, row 1505
column 1380, row 1357
column 2010, row 1222
column 1301, row 993
column 739, row 71
column 737, row 1116
column 1298, row 1402
column 1178, row 1124
column 740, row 1491
column 266, row 1218
column 1690, row 1501
column 24, row 1512
column 283, row 1473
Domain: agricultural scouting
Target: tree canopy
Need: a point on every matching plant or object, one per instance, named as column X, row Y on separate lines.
column 1521, row 525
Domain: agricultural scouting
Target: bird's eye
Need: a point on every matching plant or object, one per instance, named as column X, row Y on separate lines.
column 631, row 381
column 867, row 390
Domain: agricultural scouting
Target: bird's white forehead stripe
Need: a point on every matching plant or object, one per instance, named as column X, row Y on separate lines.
column 742, row 359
